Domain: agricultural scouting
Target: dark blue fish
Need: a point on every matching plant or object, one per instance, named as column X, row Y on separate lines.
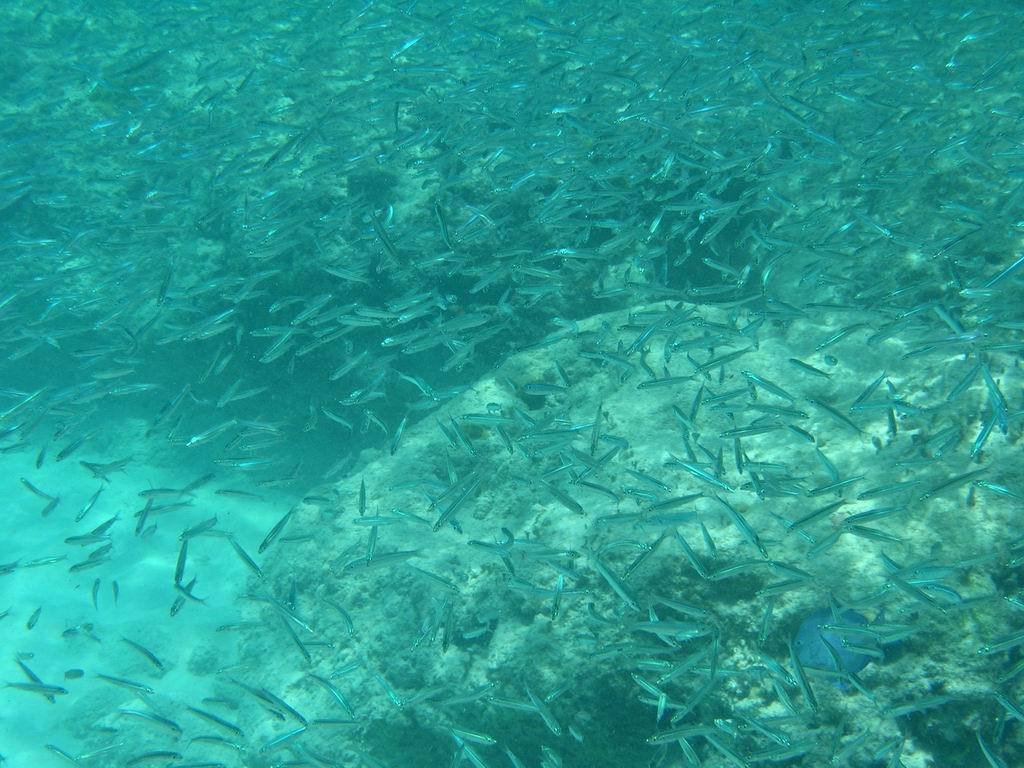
column 811, row 638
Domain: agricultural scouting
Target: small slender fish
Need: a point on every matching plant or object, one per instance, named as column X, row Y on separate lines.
column 210, row 434
column 245, row 558
column 61, row 753
column 801, row 679
column 839, row 417
column 89, row 505
column 563, row 498
column 145, row 652
column 399, row 432
column 152, row 717
column 199, row 529
column 993, row 759
column 335, row 694
column 379, row 560
column 103, row 471
column 197, row 484
column 699, row 473
column 73, row 446
column 33, row 677
column 40, row 561
column 545, row 712
column 282, row 738
column 216, row 720
column 471, row 484
column 618, row 587
column 40, row 688
column 384, row 237
column 131, row 685
column 442, row 224
column 33, row 489
column 807, row 368
column 542, row 388
column 768, row 386
column 275, row 532
column 238, row 494
column 179, row 568
column 743, row 526
column 160, row 755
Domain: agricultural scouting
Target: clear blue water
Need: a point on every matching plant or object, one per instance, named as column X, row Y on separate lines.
column 432, row 384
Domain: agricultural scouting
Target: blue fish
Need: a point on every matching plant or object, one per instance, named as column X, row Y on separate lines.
column 811, row 638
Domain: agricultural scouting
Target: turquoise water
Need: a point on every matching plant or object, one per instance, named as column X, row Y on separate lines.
column 435, row 385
